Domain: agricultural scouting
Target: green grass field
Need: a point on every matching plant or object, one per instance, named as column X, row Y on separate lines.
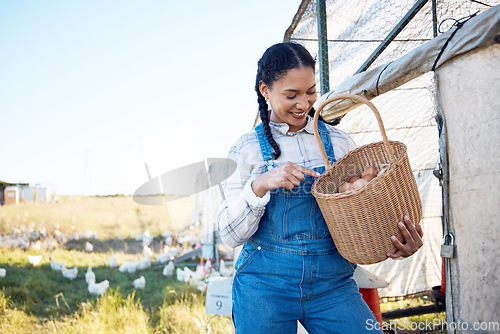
column 36, row 299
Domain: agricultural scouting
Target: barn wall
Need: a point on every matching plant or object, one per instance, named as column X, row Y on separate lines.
column 468, row 91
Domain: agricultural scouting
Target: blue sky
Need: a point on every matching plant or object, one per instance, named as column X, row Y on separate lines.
column 92, row 90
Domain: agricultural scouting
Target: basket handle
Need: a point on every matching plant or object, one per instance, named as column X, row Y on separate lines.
column 361, row 99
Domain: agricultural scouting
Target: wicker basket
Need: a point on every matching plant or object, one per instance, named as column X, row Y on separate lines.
column 362, row 221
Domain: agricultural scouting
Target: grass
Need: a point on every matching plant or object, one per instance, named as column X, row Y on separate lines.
column 40, row 300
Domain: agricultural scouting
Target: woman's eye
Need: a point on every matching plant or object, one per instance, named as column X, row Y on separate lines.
column 291, row 97
column 311, row 93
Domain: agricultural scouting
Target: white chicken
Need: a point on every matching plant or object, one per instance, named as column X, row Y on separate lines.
column 98, row 288
column 34, row 259
column 226, row 271
column 139, row 283
column 168, row 254
column 129, row 267
column 146, row 251
column 70, row 273
column 169, row 269
column 89, row 247
column 56, row 266
column 145, row 263
column 3, row 272
column 89, row 275
column 112, row 261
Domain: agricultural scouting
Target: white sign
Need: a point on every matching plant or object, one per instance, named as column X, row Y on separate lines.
column 219, row 296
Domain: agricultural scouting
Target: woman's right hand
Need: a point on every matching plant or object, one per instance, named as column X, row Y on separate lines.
column 287, row 175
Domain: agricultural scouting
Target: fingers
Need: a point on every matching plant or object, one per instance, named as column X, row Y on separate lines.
column 412, row 239
column 292, row 174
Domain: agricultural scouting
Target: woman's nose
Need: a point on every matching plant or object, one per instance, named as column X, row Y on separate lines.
column 302, row 103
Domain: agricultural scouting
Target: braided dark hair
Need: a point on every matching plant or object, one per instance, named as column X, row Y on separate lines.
column 274, row 64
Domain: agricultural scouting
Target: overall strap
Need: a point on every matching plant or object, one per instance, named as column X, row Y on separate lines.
column 265, row 147
column 326, row 140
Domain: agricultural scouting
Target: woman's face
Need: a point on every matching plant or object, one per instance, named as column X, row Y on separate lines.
column 291, row 97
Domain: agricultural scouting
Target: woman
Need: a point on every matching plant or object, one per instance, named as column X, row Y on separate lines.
column 289, row 269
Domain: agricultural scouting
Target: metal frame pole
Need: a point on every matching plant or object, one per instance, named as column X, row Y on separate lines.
column 324, row 71
column 434, row 18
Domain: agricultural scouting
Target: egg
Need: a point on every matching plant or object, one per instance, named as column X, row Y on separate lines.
column 345, row 187
column 369, row 177
column 359, row 183
column 353, row 179
column 369, row 171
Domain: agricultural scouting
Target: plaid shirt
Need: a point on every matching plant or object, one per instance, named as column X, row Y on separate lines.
column 240, row 209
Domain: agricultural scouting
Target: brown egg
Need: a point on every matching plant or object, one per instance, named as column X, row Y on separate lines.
column 345, row 187
column 370, row 171
column 353, row 179
column 359, row 183
column 369, row 177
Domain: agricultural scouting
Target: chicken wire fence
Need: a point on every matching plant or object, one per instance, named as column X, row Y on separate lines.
column 358, row 27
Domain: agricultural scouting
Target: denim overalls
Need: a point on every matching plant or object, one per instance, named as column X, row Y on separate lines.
column 290, row 270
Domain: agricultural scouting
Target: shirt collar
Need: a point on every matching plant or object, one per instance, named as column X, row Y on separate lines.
column 283, row 127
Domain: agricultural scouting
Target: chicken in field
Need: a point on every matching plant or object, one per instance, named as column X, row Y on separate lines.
column 89, row 247
column 169, row 269
column 146, row 251
column 139, row 283
column 226, row 271
column 112, row 261
column 168, row 254
column 3, row 272
column 34, row 259
column 98, row 288
column 70, row 273
column 145, row 263
column 56, row 266
column 129, row 267
column 89, row 275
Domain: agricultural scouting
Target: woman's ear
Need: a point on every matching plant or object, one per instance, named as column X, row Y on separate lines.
column 264, row 90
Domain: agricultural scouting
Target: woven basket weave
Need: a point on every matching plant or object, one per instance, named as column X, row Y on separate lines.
column 362, row 221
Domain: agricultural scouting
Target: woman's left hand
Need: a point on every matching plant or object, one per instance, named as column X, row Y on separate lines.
column 413, row 239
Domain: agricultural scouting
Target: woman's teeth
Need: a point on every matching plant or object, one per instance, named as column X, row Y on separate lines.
column 299, row 113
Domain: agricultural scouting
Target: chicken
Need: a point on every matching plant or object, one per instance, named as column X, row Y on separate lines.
column 34, row 259
column 139, row 283
column 3, row 272
column 112, row 261
column 168, row 254
column 145, row 263
column 89, row 247
column 226, row 271
column 129, row 267
column 70, row 273
column 169, row 269
column 146, row 251
column 56, row 266
column 98, row 288
column 89, row 275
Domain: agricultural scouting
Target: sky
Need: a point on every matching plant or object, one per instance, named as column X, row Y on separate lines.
column 91, row 91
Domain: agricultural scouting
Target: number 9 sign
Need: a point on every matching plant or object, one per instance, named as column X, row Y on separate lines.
column 219, row 297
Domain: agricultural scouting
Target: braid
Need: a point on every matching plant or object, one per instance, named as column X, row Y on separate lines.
column 264, row 116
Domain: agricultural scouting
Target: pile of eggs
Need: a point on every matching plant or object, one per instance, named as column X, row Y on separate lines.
column 356, row 182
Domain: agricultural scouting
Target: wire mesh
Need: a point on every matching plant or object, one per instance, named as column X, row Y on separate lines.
column 356, row 28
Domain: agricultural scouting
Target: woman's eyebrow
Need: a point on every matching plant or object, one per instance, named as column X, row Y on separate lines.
column 296, row 90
